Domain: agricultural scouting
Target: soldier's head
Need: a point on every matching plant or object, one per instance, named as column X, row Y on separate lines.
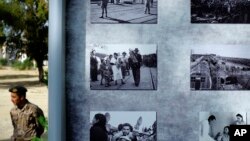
column 126, row 129
column 18, row 94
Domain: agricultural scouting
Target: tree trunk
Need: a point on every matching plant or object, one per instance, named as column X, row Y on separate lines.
column 40, row 70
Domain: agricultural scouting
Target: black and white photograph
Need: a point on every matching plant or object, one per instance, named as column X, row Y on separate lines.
column 220, row 11
column 220, row 67
column 124, row 11
column 215, row 126
column 123, row 66
column 123, row 126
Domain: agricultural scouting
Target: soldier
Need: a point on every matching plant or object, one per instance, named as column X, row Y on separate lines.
column 26, row 117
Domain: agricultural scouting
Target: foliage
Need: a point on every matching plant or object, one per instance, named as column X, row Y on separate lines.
column 3, row 62
column 44, row 122
column 46, row 77
column 27, row 64
column 26, row 28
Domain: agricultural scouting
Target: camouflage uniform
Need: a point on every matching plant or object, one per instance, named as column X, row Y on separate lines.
column 26, row 122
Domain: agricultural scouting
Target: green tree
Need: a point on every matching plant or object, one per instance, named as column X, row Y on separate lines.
column 26, row 22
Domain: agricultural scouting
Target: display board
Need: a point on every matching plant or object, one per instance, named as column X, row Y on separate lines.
column 185, row 48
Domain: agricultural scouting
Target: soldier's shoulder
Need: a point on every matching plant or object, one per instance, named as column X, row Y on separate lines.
column 33, row 107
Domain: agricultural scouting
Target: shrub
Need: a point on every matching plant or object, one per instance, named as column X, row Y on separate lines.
column 25, row 65
column 3, row 62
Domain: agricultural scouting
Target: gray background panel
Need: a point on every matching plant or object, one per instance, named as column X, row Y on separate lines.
column 176, row 106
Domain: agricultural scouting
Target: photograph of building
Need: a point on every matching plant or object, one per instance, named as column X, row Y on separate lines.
column 218, row 67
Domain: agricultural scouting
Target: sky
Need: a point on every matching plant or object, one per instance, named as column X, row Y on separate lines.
column 240, row 51
column 148, row 117
column 144, row 49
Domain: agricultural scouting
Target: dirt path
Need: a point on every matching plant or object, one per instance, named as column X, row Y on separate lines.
column 37, row 94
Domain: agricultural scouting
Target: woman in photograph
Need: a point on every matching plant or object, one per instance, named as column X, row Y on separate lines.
column 224, row 136
column 116, row 68
column 239, row 120
column 98, row 131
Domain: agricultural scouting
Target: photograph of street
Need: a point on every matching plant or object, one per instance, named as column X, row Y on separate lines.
column 220, row 67
column 123, row 66
column 220, row 11
column 124, row 11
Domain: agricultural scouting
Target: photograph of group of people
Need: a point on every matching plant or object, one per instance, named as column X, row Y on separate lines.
column 121, row 66
column 123, row 126
column 216, row 126
column 220, row 67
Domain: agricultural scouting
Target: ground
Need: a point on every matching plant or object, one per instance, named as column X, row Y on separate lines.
column 124, row 13
column 148, row 81
column 37, row 94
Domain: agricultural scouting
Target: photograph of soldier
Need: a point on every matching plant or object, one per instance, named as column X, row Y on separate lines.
column 24, row 62
column 220, row 67
column 215, row 126
column 27, row 118
column 123, row 66
column 220, row 11
column 124, row 11
column 137, row 126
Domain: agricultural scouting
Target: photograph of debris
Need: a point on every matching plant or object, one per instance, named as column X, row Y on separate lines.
column 220, row 67
column 220, row 11
column 123, row 11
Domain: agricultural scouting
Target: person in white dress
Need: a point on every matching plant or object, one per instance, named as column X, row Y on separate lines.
column 116, row 68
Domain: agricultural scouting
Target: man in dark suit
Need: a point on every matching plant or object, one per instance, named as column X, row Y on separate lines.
column 135, row 61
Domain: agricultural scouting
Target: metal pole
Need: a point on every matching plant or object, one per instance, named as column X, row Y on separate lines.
column 56, row 71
